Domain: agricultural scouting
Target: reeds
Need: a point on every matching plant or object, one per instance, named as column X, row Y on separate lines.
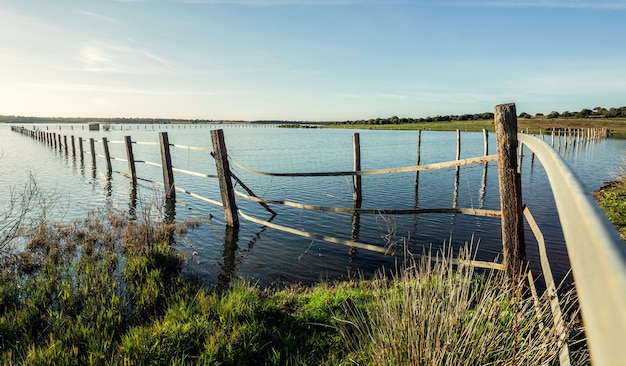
column 434, row 313
column 109, row 290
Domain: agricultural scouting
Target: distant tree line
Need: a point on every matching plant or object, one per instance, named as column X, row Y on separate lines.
column 395, row 120
column 597, row 112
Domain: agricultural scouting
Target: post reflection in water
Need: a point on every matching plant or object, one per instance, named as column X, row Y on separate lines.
column 229, row 264
column 108, row 185
column 483, row 188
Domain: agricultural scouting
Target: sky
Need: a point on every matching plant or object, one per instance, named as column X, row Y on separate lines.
column 314, row 60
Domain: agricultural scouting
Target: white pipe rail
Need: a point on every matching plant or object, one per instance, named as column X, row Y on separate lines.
column 597, row 256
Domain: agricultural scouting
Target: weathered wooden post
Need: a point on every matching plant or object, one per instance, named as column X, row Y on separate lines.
column 80, row 149
column 65, row 143
column 166, row 163
column 92, row 150
column 356, row 179
column 107, row 155
column 131, row 160
column 458, row 144
column 485, row 142
column 513, row 244
column 223, row 175
column 73, row 147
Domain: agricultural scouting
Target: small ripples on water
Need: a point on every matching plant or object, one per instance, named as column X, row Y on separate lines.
column 268, row 255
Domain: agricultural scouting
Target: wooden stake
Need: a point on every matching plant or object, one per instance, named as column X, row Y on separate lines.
column 80, row 148
column 356, row 181
column 223, row 174
column 93, row 151
column 107, row 155
column 513, row 245
column 166, row 163
column 131, row 160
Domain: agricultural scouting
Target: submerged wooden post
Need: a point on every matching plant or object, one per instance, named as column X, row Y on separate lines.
column 486, row 141
column 73, row 146
column 223, row 175
column 458, row 144
column 107, row 155
column 166, row 163
column 513, row 245
column 131, row 160
column 418, row 157
column 356, row 181
column 80, row 148
column 92, row 150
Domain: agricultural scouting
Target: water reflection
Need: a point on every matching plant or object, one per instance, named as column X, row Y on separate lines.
column 229, row 255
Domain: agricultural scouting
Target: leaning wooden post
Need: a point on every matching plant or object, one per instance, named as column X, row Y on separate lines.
column 166, row 163
column 131, row 160
column 356, row 179
column 223, row 175
column 513, row 245
column 107, row 155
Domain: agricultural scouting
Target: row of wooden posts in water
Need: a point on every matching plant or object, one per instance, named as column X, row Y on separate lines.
column 514, row 233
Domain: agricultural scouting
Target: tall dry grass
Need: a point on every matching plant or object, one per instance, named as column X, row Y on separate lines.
column 434, row 313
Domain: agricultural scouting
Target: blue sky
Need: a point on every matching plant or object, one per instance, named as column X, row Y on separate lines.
column 308, row 59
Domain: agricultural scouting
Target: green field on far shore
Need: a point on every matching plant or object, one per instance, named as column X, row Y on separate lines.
column 617, row 126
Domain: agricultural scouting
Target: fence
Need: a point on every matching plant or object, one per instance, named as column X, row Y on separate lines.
column 597, row 255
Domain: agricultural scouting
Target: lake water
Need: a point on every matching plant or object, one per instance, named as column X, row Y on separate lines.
column 267, row 255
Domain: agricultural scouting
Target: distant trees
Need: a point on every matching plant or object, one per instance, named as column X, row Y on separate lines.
column 554, row 114
column 397, row 120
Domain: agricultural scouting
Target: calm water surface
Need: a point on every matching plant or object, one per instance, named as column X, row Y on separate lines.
column 267, row 255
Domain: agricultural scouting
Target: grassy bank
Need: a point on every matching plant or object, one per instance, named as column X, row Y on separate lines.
column 612, row 200
column 110, row 290
column 534, row 125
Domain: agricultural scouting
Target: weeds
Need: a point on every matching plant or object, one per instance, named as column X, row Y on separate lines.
column 108, row 290
column 612, row 200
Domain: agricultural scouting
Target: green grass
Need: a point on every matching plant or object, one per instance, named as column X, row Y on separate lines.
column 534, row 125
column 108, row 290
column 612, row 200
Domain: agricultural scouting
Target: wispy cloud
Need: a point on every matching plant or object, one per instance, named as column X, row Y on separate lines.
column 109, row 57
column 92, row 88
column 571, row 4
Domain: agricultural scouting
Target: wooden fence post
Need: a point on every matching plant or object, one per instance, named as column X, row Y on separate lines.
column 92, row 150
column 223, row 175
column 486, row 141
column 356, row 179
column 107, row 155
column 80, row 148
column 131, row 160
column 513, row 245
column 166, row 163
